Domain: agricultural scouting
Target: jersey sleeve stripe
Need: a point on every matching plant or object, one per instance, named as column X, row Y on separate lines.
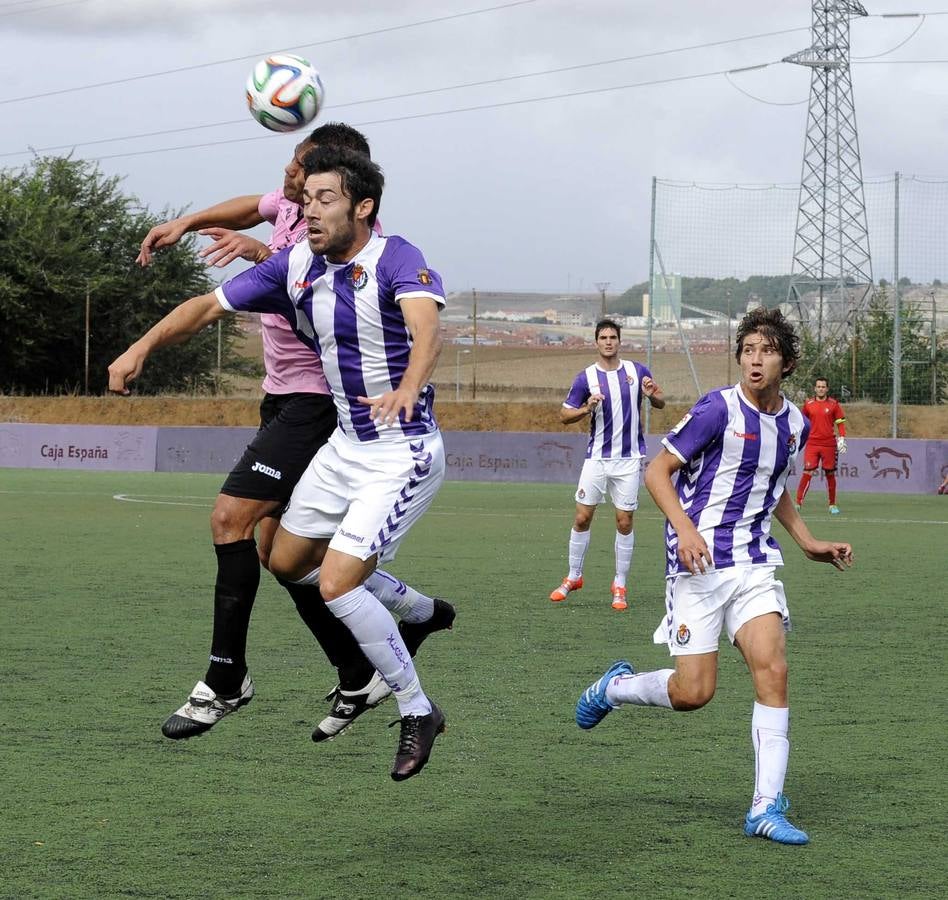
column 219, row 293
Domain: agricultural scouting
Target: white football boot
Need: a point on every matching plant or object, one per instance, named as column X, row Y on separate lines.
column 204, row 710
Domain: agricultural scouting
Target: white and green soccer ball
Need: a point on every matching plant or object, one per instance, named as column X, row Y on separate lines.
column 284, row 92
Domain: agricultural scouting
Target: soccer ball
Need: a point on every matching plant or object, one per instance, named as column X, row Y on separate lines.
column 284, row 92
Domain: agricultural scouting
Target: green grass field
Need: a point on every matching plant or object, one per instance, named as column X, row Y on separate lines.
column 105, row 626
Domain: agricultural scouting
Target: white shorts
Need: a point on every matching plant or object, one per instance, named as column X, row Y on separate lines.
column 619, row 478
column 366, row 496
column 698, row 605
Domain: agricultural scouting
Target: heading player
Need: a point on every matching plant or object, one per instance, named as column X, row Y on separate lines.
column 610, row 393
column 297, row 416
column 825, row 414
column 719, row 480
column 369, row 306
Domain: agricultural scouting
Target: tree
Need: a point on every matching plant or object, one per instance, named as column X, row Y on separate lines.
column 65, row 230
column 867, row 354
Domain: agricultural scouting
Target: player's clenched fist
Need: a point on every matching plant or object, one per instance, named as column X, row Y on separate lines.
column 125, row 369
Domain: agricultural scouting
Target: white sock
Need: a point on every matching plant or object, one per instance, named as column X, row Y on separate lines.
column 644, row 689
column 578, row 545
column 624, row 545
column 312, row 578
column 399, row 598
column 770, row 728
column 374, row 628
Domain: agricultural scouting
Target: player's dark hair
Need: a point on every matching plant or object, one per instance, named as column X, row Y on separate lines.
column 338, row 134
column 821, row 378
column 361, row 178
column 772, row 324
column 608, row 323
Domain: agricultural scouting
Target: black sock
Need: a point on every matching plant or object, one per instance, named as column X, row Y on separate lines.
column 340, row 647
column 238, row 577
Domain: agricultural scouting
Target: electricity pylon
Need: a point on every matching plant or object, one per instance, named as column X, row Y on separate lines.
column 832, row 268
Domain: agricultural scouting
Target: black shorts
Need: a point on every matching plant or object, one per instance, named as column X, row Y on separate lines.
column 292, row 428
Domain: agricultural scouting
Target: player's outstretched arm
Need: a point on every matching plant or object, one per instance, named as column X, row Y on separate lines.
column 229, row 245
column 175, row 328
column 692, row 549
column 837, row 553
column 421, row 318
column 237, row 213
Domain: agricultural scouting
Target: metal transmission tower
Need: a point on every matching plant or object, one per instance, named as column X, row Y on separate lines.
column 832, row 269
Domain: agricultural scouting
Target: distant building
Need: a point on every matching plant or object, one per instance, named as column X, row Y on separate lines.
column 665, row 297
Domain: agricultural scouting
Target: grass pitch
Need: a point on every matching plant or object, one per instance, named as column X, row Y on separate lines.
column 105, row 627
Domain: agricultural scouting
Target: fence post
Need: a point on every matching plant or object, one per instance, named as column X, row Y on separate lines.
column 651, row 299
column 896, row 324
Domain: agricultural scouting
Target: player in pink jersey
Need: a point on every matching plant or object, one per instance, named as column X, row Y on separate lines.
column 297, row 416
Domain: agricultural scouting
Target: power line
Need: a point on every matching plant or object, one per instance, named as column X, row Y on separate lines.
column 22, row 3
column 219, row 62
column 480, row 107
column 896, row 47
column 444, row 112
column 32, row 9
column 427, row 91
column 741, row 90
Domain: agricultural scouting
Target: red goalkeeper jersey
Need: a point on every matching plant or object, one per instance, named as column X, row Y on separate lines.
column 823, row 416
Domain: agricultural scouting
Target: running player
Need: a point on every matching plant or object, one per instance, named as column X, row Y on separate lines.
column 825, row 415
column 719, row 480
column 296, row 418
column 610, row 393
column 369, row 306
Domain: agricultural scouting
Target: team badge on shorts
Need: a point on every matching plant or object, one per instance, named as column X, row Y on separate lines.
column 359, row 276
column 581, row 494
column 424, row 277
column 683, row 636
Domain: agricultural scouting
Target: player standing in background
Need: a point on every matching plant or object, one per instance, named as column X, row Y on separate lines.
column 369, row 305
column 825, row 415
column 719, row 480
column 297, row 416
column 610, row 392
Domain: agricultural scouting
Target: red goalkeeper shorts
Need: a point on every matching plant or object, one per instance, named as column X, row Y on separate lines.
column 819, row 454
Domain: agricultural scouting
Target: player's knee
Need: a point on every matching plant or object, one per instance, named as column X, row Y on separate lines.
column 284, row 566
column 692, row 698
column 332, row 586
column 231, row 521
column 624, row 523
column 583, row 520
column 774, row 674
column 687, row 694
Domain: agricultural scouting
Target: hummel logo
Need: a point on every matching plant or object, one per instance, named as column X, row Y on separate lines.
column 302, row 284
column 746, row 435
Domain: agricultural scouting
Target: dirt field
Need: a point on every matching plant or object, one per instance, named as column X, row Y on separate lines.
column 518, row 389
column 488, row 415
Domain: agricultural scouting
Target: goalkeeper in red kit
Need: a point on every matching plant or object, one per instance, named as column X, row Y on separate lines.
column 826, row 418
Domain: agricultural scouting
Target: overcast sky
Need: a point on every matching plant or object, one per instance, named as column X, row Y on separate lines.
column 545, row 195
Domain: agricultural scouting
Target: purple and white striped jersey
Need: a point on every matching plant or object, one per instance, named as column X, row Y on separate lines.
column 736, row 462
column 350, row 315
column 615, row 427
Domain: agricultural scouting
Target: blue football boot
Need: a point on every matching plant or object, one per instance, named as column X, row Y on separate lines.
column 593, row 706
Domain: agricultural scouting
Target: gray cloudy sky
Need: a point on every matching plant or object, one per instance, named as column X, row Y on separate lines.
column 535, row 196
